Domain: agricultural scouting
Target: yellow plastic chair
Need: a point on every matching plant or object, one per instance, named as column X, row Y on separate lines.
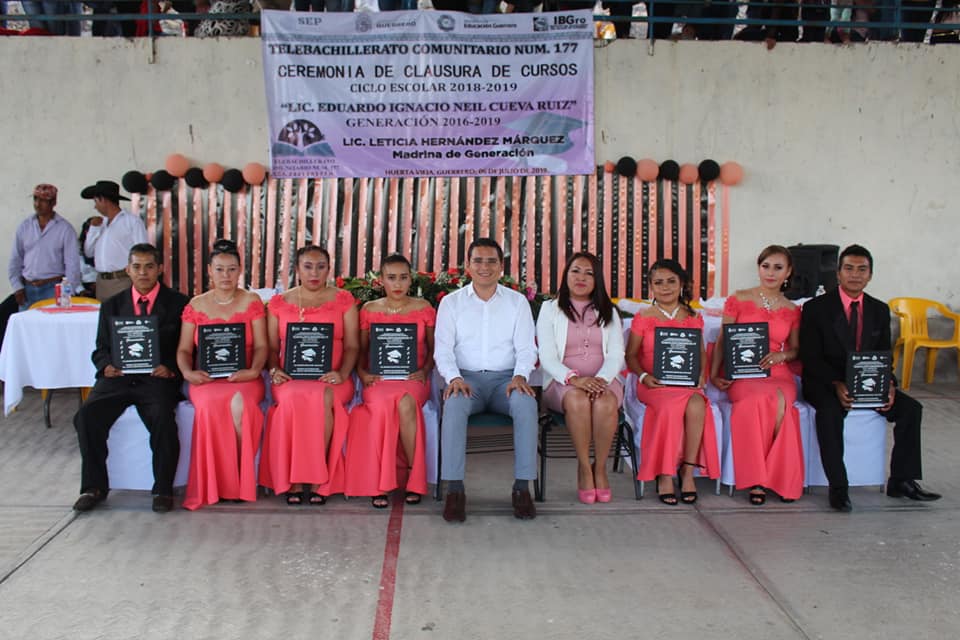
column 915, row 335
column 47, row 394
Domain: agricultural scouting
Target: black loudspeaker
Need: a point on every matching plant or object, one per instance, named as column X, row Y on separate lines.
column 814, row 265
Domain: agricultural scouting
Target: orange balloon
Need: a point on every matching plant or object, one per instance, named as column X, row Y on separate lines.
column 688, row 173
column 731, row 173
column 254, row 173
column 647, row 170
column 177, row 165
column 213, row 172
column 609, row 166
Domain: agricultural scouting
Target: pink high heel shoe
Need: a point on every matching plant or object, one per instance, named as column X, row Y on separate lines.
column 604, row 495
column 587, row 496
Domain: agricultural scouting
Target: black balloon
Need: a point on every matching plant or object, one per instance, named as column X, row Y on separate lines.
column 232, row 180
column 669, row 170
column 162, row 180
column 134, row 182
column 194, row 178
column 627, row 166
column 709, row 170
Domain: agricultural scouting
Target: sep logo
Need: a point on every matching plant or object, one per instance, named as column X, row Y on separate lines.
column 364, row 22
column 540, row 24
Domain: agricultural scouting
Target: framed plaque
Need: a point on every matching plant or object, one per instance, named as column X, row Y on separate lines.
column 744, row 346
column 308, row 350
column 221, row 348
column 393, row 350
column 135, row 343
column 676, row 356
column 868, row 378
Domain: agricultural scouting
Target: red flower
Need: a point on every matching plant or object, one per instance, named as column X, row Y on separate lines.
column 339, row 282
column 455, row 271
column 440, row 296
column 455, row 280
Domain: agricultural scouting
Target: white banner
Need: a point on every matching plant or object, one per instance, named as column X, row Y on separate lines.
column 429, row 93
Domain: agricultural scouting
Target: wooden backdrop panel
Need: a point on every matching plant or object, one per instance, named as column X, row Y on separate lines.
column 538, row 220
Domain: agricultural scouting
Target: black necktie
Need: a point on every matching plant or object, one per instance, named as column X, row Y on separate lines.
column 855, row 323
column 144, row 302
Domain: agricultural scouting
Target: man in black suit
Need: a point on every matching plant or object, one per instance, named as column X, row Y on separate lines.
column 155, row 395
column 832, row 325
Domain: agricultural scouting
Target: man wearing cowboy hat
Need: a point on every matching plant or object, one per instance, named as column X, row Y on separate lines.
column 110, row 237
column 44, row 251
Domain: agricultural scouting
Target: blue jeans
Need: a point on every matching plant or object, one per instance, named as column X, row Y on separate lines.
column 489, row 394
column 56, row 27
column 323, row 5
column 34, row 294
column 397, row 5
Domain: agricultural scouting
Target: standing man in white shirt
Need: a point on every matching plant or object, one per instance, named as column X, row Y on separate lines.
column 110, row 237
column 485, row 351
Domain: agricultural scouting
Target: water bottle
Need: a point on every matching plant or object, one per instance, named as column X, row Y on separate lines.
column 66, row 291
column 279, row 288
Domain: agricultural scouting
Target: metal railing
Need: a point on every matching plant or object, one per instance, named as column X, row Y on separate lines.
column 818, row 20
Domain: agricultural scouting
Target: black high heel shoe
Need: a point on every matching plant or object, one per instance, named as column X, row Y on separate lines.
column 667, row 498
column 758, row 499
column 688, row 497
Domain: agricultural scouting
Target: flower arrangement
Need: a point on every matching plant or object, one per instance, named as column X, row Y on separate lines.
column 433, row 287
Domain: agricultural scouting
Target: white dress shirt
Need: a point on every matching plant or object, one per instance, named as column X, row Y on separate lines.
column 484, row 335
column 109, row 244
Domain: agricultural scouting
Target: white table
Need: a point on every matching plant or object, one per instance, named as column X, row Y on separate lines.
column 51, row 350
column 47, row 350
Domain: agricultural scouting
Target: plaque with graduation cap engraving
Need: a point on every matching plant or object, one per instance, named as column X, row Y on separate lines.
column 221, row 348
column 308, row 350
column 135, row 343
column 393, row 350
column 745, row 344
column 868, row 378
column 676, row 356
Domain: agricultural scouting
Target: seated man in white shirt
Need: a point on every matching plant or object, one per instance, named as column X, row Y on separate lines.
column 485, row 351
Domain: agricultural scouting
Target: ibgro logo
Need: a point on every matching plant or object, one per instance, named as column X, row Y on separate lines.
column 559, row 22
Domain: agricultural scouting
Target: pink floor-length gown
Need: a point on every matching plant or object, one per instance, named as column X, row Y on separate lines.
column 374, row 452
column 759, row 458
column 294, row 450
column 661, row 445
column 216, row 469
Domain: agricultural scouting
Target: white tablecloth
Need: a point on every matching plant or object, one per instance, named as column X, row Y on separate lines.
column 47, row 351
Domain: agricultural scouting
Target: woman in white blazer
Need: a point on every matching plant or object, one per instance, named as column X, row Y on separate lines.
column 580, row 339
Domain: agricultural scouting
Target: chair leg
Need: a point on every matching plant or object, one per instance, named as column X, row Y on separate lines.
column 438, row 494
column 47, row 395
column 931, row 365
column 909, row 351
column 540, row 482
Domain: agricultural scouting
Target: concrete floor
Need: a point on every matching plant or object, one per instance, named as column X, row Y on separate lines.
column 634, row 569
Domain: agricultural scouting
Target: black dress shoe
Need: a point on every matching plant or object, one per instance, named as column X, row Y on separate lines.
column 910, row 489
column 840, row 500
column 523, row 508
column 162, row 504
column 455, row 508
column 89, row 499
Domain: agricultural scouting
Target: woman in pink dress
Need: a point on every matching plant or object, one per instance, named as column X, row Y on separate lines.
column 306, row 429
column 678, row 430
column 391, row 412
column 580, row 339
column 227, row 421
column 764, row 424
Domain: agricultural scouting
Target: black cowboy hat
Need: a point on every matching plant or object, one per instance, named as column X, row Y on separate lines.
column 105, row 188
